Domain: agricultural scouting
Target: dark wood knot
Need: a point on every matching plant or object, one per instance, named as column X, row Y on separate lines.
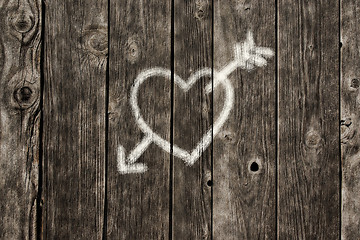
column 25, row 96
column 24, row 89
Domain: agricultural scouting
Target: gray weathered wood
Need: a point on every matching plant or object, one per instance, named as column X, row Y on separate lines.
column 138, row 203
column 244, row 199
column 20, row 47
column 350, row 125
column 74, row 119
column 192, row 119
column 289, row 129
column 308, row 163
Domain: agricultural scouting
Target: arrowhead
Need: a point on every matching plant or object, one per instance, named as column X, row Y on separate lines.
column 126, row 168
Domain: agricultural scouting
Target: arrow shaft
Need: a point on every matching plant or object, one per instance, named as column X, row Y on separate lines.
column 222, row 75
column 225, row 72
column 139, row 149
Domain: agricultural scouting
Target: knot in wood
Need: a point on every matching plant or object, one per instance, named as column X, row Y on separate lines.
column 23, row 94
column 96, row 41
column 313, row 139
column 24, row 90
column 202, row 10
column 99, row 42
column 132, row 50
column 25, row 97
column 346, row 130
column 347, row 122
column 355, row 83
column 22, row 22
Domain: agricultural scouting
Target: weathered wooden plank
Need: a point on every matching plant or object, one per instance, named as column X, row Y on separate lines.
column 245, row 149
column 74, row 119
column 308, row 163
column 192, row 111
column 20, row 47
column 140, row 39
column 350, row 141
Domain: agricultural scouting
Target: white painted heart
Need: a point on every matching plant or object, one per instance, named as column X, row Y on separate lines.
column 188, row 157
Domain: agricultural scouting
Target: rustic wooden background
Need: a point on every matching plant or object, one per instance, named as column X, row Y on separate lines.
column 285, row 166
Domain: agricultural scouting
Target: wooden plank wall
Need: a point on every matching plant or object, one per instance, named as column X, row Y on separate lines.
column 285, row 165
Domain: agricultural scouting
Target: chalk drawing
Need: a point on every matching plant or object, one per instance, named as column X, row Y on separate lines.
column 247, row 56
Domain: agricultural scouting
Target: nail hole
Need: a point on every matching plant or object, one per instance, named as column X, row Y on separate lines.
column 254, row 167
column 340, row 44
column 209, row 183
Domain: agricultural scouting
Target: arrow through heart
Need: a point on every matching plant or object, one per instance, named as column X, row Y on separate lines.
column 247, row 56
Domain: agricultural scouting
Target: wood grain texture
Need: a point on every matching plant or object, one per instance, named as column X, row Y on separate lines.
column 192, row 119
column 308, row 164
column 244, row 199
column 20, row 47
column 74, row 119
column 140, row 38
column 350, row 119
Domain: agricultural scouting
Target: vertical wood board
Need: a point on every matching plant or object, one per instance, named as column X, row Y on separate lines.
column 245, row 149
column 192, row 119
column 20, row 47
column 350, row 141
column 74, row 119
column 138, row 203
column 308, row 156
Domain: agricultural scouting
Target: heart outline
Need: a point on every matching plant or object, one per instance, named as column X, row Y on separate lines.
column 188, row 157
